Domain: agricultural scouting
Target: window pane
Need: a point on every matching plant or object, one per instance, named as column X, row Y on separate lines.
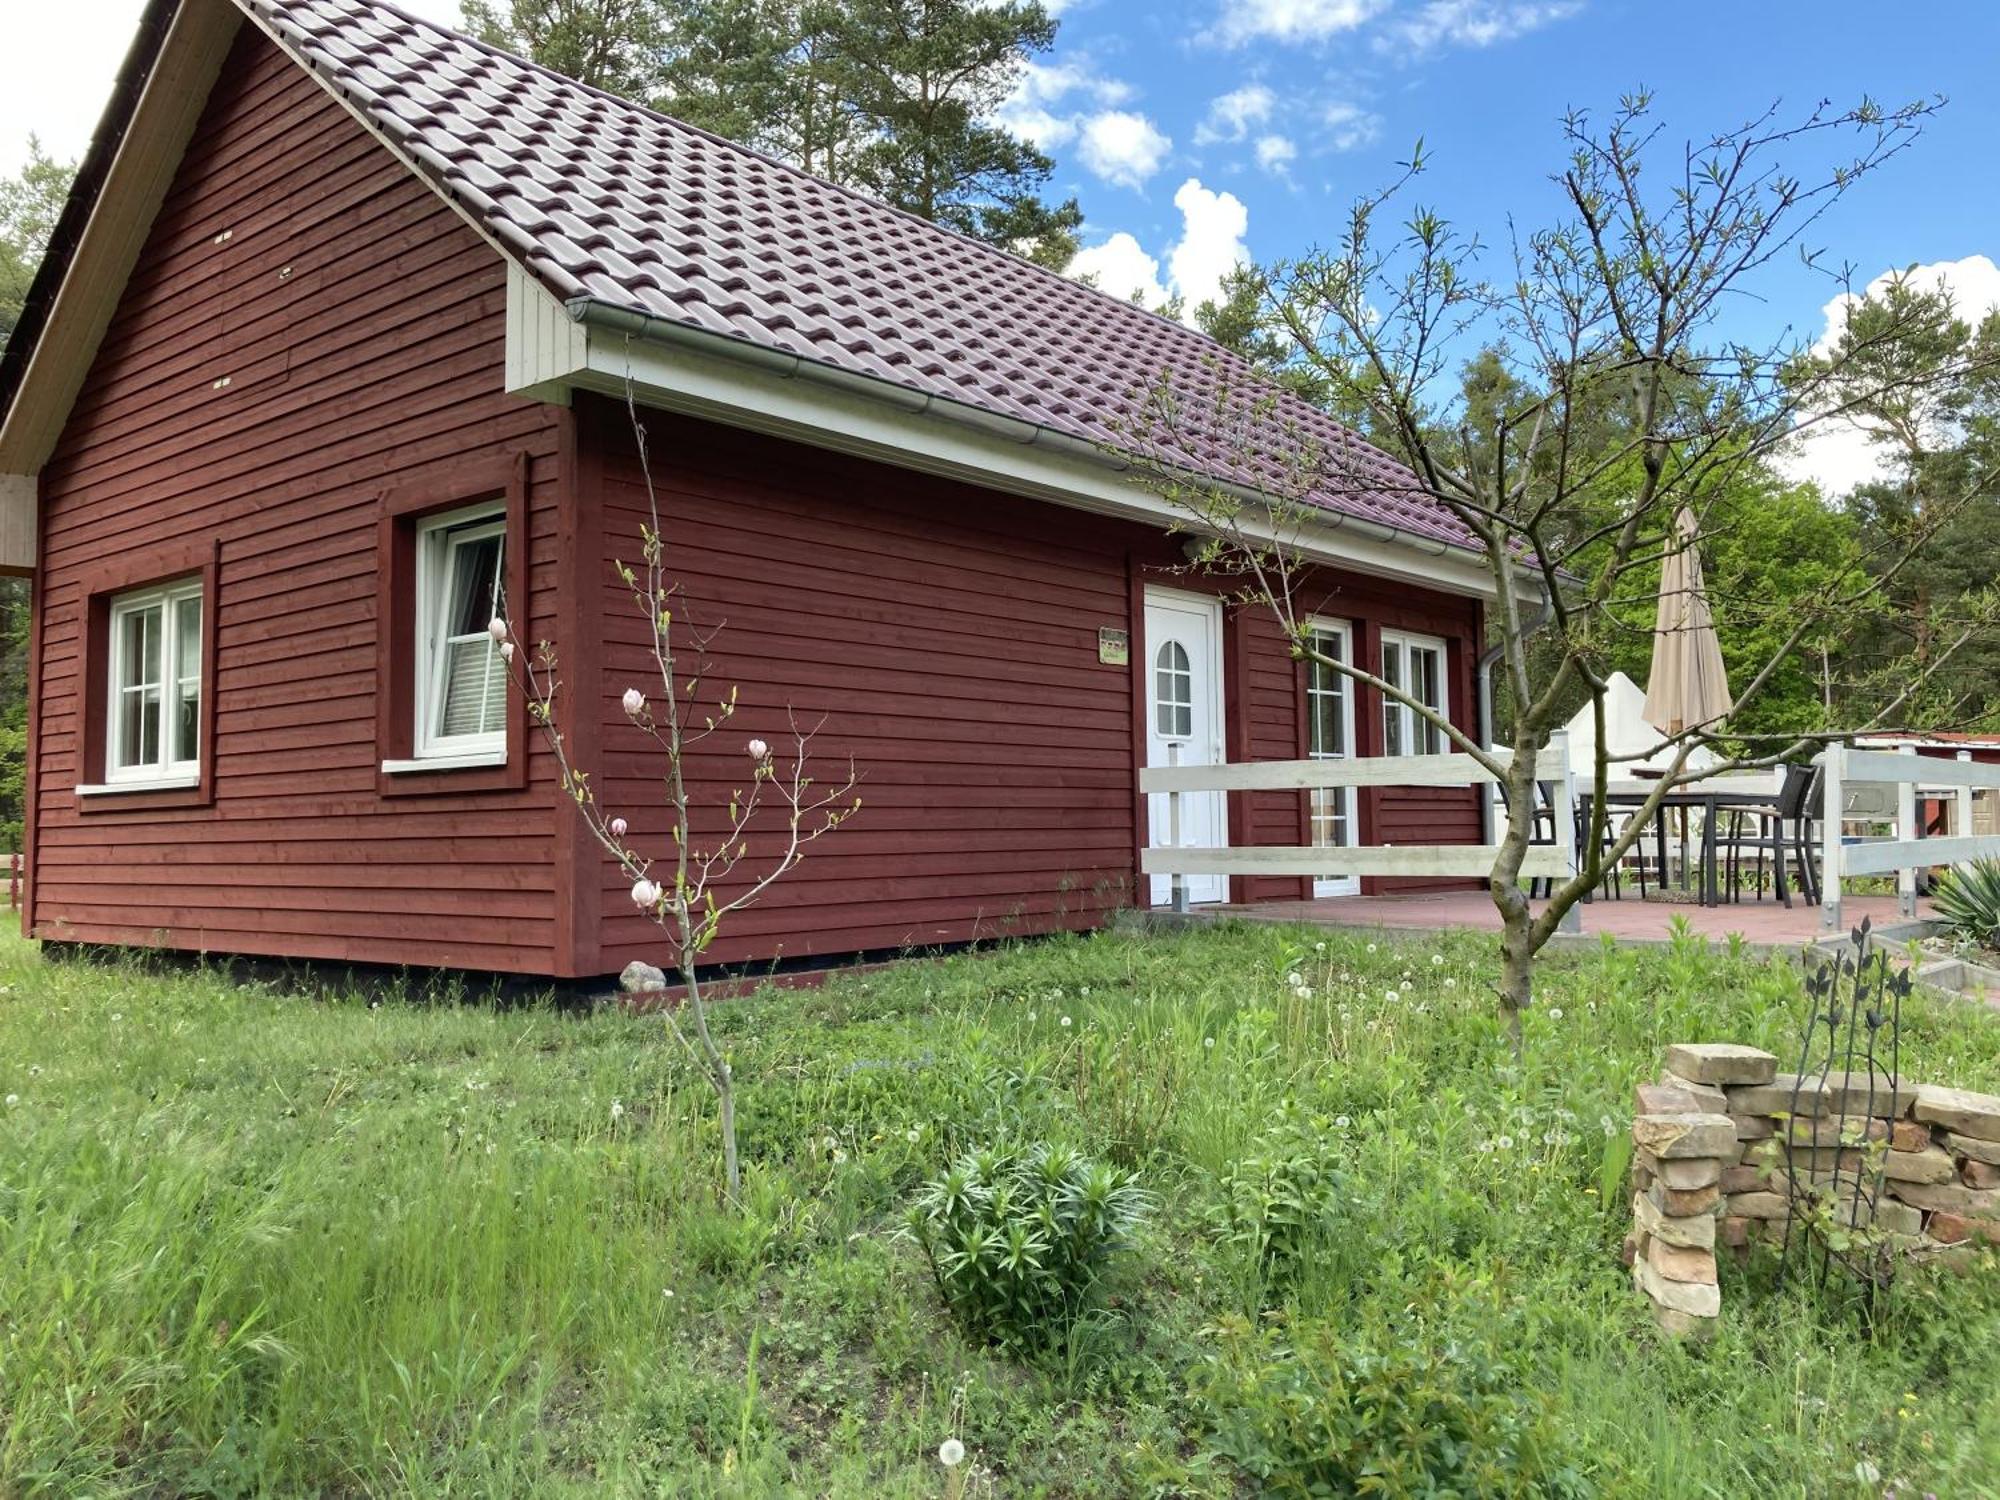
column 474, row 584
column 139, row 649
column 187, row 637
column 1173, row 691
column 187, row 723
column 149, row 727
column 475, row 693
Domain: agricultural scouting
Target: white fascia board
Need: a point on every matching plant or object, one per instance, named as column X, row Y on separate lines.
column 18, row 523
column 847, row 418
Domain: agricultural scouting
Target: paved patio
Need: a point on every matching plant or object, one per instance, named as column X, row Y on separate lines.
column 1766, row 923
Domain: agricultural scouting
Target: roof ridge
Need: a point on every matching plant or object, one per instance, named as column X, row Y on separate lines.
column 878, row 205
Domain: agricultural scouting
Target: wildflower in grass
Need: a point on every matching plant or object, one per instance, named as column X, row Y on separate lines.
column 1555, row 1013
column 35, row 1069
column 1485, row 1148
column 1505, row 1143
column 913, row 1135
column 617, row 1111
column 1371, row 947
column 12, row 1100
column 1209, row 1042
column 1437, row 960
column 1065, row 1021
column 667, row 1292
column 1305, row 992
column 1340, row 1122
column 951, row 1453
column 1607, row 1124
column 1450, row 983
column 1319, row 947
column 1867, row 1473
column 1031, row 1015
column 118, row 1015
column 644, row 892
column 1394, row 996
column 634, row 702
column 1294, row 979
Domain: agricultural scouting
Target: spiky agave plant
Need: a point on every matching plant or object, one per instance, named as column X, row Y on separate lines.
column 1967, row 902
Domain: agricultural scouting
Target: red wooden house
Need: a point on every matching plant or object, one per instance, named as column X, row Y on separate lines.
column 333, row 348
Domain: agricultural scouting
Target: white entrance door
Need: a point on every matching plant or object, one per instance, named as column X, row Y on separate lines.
column 1330, row 736
column 1184, row 725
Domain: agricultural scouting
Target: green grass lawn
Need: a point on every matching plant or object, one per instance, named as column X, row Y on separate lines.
column 257, row 1243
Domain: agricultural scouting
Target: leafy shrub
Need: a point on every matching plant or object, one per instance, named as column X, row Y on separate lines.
column 1285, row 1197
column 1018, row 1237
column 1967, row 902
column 1395, row 1415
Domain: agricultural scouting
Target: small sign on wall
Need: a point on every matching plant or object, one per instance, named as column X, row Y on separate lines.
column 1114, row 647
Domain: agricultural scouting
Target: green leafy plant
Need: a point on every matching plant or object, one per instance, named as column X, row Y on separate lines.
column 1285, row 1196
column 1967, row 902
column 1019, row 1237
column 1310, row 1409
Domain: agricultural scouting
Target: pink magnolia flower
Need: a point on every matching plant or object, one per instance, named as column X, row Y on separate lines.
column 506, row 650
column 758, row 750
column 644, row 892
column 497, row 628
column 618, row 827
column 635, row 703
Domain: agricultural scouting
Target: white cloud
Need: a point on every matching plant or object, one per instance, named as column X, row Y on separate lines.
column 1836, row 455
column 1122, row 268
column 1275, row 153
column 1231, row 116
column 1211, row 243
column 1035, row 110
column 1122, row 147
column 1292, row 20
column 1350, row 127
column 1478, row 23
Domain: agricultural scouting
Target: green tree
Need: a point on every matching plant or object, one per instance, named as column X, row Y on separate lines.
column 1929, row 404
column 894, row 97
column 923, row 78
column 30, row 203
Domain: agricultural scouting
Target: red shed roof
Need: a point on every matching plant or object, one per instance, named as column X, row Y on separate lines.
column 603, row 200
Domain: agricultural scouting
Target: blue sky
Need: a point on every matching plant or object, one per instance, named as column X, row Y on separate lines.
column 1330, row 94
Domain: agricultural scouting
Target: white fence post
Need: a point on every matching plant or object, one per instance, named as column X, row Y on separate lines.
column 1906, row 833
column 1833, row 803
column 1961, row 818
column 1562, row 807
column 1179, row 880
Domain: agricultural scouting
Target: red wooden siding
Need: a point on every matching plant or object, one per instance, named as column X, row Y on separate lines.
column 359, row 326
column 949, row 637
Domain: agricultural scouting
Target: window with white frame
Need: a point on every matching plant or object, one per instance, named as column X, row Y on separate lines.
column 1328, row 723
column 461, row 677
column 153, row 721
column 1415, row 664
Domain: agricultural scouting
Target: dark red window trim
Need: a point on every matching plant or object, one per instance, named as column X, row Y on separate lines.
column 449, row 487
column 155, row 567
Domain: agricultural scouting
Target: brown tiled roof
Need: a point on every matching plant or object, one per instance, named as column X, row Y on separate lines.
column 602, row 199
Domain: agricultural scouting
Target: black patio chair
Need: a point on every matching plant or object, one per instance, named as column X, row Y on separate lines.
column 1785, row 831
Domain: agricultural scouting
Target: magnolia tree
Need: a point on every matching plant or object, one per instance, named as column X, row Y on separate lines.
column 712, row 859
column 1626, row 404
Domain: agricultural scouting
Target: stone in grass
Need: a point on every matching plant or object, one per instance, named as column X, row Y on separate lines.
column 1633, row 1248
column 1979, row 1174
column 1969, row 1146
column 1932, row 1164
column 1721, row 1062
column 1951, row 1197
column 1697, row 1232
column 1681, row 1262
column 1960, row 1111
column 641, row 978
column 1682, row 1325
column 1695, row 1298
column 1953, row 1229
column 1679, row 1135
column 1680, row 1172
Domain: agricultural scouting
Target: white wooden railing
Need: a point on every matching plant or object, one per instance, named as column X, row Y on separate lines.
column 1555, row 860
column 1906, row 853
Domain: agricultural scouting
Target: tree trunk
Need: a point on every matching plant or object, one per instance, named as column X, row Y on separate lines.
column 719, row 1075
column 1517, row 957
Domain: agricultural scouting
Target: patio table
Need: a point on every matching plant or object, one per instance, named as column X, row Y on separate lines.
column 1713, row 801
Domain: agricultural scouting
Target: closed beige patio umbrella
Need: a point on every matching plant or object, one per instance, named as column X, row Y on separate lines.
column 1688, row 684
